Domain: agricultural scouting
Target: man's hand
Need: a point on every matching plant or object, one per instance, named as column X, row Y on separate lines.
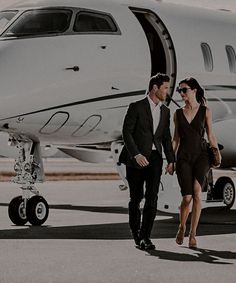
column 170, row 169
column 141, row 160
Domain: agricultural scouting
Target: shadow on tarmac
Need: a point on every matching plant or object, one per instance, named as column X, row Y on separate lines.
column 96, row 209
column 214, row 221
column 200, row 255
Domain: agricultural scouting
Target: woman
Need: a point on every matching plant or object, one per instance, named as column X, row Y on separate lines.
column 192, row 164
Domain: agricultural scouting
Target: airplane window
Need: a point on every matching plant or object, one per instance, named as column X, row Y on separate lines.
column 207, row 56
column 40, row 22
column 5, row 17
column 231, row 58
column 94, row 22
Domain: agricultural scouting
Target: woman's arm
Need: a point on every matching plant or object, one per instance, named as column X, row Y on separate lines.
column 210, row 135
column 175, row 140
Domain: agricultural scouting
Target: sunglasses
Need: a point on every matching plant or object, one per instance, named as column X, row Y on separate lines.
column 183, row 90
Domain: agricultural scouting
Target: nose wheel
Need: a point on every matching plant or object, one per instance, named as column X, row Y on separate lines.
column 35, row 210
column 16, row 211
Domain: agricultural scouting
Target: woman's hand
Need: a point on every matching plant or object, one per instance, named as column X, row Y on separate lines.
column 170, row 169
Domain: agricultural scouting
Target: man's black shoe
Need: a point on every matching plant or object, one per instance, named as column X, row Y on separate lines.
column 146, row 244
column 136, row 239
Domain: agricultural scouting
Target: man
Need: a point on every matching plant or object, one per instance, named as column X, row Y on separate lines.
column 146, row 130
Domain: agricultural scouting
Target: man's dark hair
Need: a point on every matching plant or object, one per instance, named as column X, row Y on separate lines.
column 158, row 80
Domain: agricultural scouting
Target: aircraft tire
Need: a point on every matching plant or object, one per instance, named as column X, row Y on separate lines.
column 37, row 210
column 15, row 211
column 224, row 189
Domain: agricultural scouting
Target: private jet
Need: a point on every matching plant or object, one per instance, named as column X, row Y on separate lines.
column 70, row 68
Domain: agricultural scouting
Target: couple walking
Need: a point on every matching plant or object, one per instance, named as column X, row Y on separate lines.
column 146, row 131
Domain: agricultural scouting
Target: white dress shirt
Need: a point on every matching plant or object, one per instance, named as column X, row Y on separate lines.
column 156, row 113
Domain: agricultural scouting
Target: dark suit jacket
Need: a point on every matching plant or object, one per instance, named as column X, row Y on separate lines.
column 138, row 133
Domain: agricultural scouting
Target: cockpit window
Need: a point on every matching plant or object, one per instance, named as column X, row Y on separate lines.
column 40, row 22
column 5, row 18
column 93, row 22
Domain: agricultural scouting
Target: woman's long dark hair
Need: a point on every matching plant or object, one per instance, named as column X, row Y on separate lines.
column 193, row 84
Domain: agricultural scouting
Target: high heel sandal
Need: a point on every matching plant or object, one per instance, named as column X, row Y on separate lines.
column 180, row 236
column 192, row 241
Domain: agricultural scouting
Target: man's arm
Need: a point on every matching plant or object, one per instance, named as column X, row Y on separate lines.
column 167, row 143
column 128, row 130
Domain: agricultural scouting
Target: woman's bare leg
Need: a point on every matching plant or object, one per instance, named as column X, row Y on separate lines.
column 184, row 210
column 196, row 212
column 183, row 216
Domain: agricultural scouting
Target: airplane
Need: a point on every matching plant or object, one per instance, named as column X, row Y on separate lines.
column 70, row 68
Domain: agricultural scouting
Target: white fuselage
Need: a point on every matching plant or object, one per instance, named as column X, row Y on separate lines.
column 43, row 100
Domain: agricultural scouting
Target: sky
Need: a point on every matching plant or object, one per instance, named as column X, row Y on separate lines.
column 211, row 4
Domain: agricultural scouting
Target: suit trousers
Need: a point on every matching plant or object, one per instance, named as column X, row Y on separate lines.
column 150, row 176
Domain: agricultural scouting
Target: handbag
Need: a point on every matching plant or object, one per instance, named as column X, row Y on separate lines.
column 214, row 156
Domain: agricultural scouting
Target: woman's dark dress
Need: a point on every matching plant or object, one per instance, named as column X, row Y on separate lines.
column 192, row 158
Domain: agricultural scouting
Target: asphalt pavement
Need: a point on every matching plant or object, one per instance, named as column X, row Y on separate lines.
column 86, row 239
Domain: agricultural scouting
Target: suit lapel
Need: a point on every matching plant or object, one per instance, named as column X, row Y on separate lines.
column 161, row 121
column 148, row 112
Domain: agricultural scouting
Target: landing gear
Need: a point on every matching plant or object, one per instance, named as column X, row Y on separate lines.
column 116, row 148
column 29, row 170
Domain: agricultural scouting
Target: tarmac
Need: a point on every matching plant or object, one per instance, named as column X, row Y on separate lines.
column 86, row 239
